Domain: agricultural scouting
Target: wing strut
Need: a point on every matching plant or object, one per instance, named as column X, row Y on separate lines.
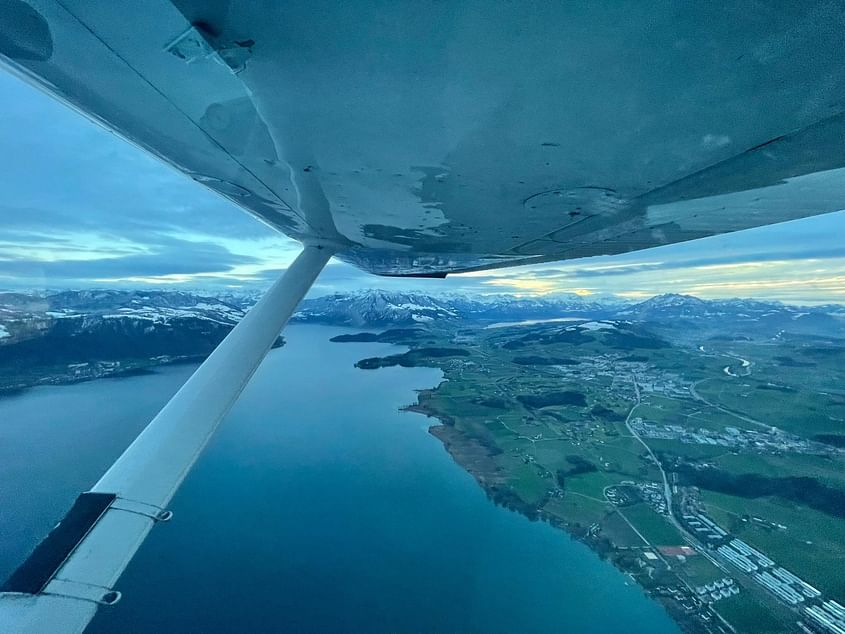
column 73, row 571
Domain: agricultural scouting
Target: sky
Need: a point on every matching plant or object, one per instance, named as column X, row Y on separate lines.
column 81, row 208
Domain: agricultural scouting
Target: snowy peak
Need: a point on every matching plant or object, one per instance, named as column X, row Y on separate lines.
column 671, row 304
column 382, row 308
column 374, row 308
column 675, row 299
column 21, row 313
column 688, row 305
column 26, row 316
column 745, row 316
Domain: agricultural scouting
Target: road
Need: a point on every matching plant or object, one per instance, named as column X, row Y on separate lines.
column 667, row 492
column 667, row 488
column 694, row 393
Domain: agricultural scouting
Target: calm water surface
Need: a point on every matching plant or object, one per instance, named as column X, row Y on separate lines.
column 318, row 507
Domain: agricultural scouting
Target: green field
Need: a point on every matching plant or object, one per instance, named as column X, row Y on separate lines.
column 800, row 412
column 529, row 484
column 811, row 546
column 829, row 470
column 592, row 484
column 698, row 570
column 748, row 615
column 654, row 527
column 619, row 532
column 578, row 509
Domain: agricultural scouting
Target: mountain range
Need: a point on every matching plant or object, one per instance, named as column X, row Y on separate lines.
column 374, row 308
column 78, row 335
column 27, row 316
column 740, row 317
column 75, row 335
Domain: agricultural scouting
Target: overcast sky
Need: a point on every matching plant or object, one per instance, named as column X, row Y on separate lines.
column 81, row 208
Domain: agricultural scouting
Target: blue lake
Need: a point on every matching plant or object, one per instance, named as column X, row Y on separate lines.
column 318, row 507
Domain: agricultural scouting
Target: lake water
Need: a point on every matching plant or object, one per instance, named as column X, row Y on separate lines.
column 317, row 507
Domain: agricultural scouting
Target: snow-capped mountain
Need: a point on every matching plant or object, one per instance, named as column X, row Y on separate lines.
column 157, row 313
column 75, row 312
column 384, row 308
column 670, row 306
column 736, row 316
column 379, row 307
column 154, row 305
column 374, row 308
column 733, row 316
column 74, row 335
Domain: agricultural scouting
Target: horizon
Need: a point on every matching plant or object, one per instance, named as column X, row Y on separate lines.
column 114, row 217
column 593, row 298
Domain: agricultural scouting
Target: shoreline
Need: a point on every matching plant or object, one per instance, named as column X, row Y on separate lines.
column 139, row 367
column 473, row 457
column 57, row 380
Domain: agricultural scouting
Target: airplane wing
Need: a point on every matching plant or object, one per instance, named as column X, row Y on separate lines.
column 422, row 138
column 432, row 137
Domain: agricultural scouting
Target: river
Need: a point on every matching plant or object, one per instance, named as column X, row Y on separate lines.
column 318, row 507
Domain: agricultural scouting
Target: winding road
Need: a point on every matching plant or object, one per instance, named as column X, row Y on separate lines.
column 667, row 489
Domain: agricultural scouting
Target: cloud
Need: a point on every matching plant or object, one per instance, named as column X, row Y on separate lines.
column 796, row 261
column 808, row 280
column 81, row 206
column 67, row 173
column 164, row 258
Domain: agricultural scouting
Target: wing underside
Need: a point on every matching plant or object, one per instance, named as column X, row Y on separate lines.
column 426, row 138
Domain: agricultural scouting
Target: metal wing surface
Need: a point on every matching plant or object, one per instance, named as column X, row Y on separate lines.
column 431, row 137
